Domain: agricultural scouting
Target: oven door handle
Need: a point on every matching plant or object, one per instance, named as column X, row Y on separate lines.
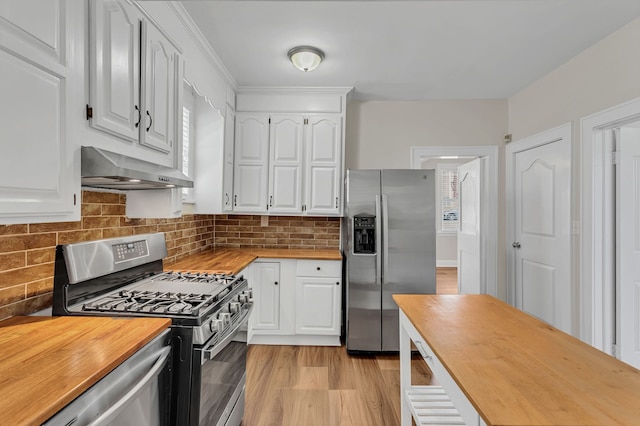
column 122, row 402
column 211, row 351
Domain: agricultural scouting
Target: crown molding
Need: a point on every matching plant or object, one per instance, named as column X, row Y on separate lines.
column 201, row 42
column 293, row 90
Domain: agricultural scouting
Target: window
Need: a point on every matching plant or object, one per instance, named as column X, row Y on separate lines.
column 447, row 193
column 186, row 160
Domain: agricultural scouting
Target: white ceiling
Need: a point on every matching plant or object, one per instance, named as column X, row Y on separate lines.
column 407, row 50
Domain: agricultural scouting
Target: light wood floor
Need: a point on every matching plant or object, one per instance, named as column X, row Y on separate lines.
column 324, row 386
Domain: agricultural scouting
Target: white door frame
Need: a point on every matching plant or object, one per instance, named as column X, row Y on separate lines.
column 597, row 319
column 419, row 153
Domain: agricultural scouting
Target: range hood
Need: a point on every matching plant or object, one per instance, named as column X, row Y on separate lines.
column 106, row 169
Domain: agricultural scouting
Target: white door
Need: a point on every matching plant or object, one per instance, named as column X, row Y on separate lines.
column 542, row 240
column 250, row 163
column 115, row 68
column 628, row 245
column 266, row 293
column 158, row 72
column 285, row 163
column 470, row 260
column 323, row 166
column 318, row 305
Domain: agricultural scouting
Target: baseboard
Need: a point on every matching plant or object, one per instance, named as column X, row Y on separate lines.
column 446, row 263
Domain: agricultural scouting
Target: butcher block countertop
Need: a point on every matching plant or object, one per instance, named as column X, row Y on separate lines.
column 46, row 362
column 517, row 370
column 232, row 261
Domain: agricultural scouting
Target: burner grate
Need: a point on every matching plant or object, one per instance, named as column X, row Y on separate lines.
column 174, row 303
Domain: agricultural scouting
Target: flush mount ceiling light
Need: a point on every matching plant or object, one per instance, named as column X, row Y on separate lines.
column 306, row 58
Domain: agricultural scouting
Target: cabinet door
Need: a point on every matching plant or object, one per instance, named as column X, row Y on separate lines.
column 318, row 305
column 323, row 146
column 159, row 86
column 251, row 161
column 227, row 180
column 115, row 68
column 266, row 296
column 37, row 66
column 285, row 163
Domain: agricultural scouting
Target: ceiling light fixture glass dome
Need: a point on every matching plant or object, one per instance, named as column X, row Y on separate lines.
column 306, row 58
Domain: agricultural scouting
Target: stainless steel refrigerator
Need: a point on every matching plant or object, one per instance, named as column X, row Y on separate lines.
column 389, row 247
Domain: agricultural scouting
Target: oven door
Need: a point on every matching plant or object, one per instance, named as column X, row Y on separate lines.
column 219, row 377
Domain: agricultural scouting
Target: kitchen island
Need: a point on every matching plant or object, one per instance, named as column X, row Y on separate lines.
column 46, row 362
column 500, row 366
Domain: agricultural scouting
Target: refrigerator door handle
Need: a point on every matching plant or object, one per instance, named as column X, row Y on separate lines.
column 385, row 227
column 378, row 239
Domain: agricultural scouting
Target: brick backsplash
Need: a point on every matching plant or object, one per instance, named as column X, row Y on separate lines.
column 279, row 232
column 27, row 252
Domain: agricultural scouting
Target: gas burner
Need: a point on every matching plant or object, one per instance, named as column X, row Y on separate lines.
column 173, row 303
column 200, row 277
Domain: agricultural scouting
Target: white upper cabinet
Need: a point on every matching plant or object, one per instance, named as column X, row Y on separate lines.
column 285, row 163
column 323, row 144
column 115, row 68
column 39, row 67
column 251, row 163
column 300, row 139
column 134, row 77
column 159, row 87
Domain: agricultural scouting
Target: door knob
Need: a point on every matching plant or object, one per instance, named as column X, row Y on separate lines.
column 515, row 245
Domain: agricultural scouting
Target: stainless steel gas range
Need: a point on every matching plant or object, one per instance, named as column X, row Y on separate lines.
column 209, row 314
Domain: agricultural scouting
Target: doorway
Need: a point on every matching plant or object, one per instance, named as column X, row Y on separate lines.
column 604, row 250
column 489, row 259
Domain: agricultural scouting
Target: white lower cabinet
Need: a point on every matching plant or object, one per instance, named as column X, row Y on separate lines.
column 296, row 302
column 266, row 296
column 318, row 297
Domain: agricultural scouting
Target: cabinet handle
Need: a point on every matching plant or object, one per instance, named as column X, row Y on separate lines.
column 139, row 116
column 276, row 283
column 336, row 202
column 150, row 121
column 270, row 200
column 226, row 199
column 318, row 268
column 235, row 200
column 337, row 282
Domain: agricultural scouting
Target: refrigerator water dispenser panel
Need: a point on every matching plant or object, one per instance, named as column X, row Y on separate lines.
column 364, row 234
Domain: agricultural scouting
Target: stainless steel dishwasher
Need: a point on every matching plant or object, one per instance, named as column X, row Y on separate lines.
column 136, row 393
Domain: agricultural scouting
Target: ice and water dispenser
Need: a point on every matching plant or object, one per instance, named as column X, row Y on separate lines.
column 364, row 234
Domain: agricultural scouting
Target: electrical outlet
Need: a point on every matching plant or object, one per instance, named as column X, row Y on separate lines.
column 264, row 220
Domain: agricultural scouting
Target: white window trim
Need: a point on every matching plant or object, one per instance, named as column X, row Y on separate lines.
column 440, row 167
column 190, row 103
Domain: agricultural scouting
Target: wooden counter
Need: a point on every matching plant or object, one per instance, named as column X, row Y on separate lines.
column 46, row 362
column 517, row 370
column 232, row 261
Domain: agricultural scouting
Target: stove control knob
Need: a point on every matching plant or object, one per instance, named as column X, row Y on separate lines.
column 243, row 298
column 225, row 317
column 216, row 325
column 234, row 307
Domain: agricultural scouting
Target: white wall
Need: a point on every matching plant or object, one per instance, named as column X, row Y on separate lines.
column 602, row 76
column 380, row 133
